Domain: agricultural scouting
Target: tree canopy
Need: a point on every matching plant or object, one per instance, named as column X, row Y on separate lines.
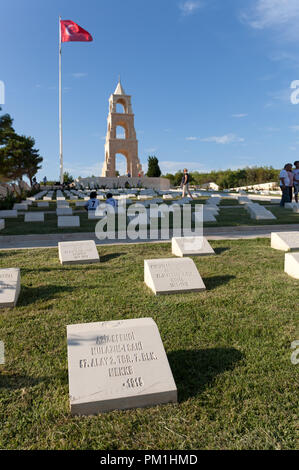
column 18, row 157
column 153, row 167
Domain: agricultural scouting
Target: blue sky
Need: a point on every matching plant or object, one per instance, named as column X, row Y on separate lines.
column 210, row 80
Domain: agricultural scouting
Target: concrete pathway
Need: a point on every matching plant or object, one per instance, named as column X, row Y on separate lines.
column 12, row 242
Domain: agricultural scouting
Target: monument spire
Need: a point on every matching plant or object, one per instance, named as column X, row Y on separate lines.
column 119, row 89
column 125, row 143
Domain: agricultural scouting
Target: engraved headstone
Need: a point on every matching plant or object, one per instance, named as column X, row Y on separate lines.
column 172, row 275
column 291, row 264
column 81, row 252
column 285, row 241
column 117, row 365
column 10, row 286
column 191, row 246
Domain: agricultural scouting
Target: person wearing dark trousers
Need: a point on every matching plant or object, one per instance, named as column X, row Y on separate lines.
column 285, row 184
column 296, row 180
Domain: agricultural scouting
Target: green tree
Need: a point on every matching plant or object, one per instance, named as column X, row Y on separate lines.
column 18, row 157
column 67, row 177
column 153, row 170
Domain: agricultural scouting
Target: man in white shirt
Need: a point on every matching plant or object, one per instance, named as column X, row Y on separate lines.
column 296, row 180
column 285, row 184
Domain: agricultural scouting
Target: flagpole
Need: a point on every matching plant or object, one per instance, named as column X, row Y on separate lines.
column 60, row 108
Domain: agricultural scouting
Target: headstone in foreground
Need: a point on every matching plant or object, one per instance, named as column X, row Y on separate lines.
column 81, row 252
column 117, row 365
column 172, row 275
column 291, row 264
column 191, row 246
column 285, row 241
column 10, row 286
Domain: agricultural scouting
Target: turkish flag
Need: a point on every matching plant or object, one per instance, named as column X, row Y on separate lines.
column 71, row 31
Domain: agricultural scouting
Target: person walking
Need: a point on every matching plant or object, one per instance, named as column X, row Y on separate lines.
column 285, row 184
column 185, row 183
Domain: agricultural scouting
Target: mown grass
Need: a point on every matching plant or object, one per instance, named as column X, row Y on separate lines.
column 228, row 348
column 228, row 217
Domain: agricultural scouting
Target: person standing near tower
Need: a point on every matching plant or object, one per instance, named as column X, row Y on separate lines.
column 185, row 183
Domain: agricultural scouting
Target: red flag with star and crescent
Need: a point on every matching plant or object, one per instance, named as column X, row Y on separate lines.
column 71, row 31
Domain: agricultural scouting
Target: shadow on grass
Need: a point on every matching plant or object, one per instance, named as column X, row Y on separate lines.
column 193, row 370
column 15, row 381
column 109, row 257
column 216, row 281
column 31, row 295
column 220, row 250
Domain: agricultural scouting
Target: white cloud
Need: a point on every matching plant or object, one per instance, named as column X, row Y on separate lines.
column 224, row 139
column 189, row 7
column 280, row 15
column 294, row 128
column 239, row 115
column 191, row 138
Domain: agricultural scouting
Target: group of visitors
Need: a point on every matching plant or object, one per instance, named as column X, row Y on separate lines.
column 289, row 180
column 93, row 202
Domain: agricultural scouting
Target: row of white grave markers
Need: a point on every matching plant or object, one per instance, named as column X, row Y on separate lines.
column 123, row 364
column 289, row 243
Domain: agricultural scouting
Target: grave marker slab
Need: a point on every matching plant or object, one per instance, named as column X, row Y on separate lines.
column 34, row 217
column 10, row 286
column 42, row 204
column 117, row 365
column 191, row 246
column 2, row 224
column 285, row 241
column 68, row 221
column 291, row 264
column 81, row 252
column 20, row 207
column 64, row 211
column 172, row 275
column 8, row 214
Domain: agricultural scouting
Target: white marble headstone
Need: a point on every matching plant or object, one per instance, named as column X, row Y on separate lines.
column 8, row 214
column 34, row 217
column 172, row 275
column 78, row 252
column 10, row 286
column 291, row 264
column 117, row 365
column 285, row 241
column 68, row 221
column 191, row 246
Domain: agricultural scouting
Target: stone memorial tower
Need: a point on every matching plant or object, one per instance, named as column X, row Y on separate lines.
column 126, row 144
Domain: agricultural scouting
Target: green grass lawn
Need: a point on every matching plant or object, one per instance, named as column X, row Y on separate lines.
column 228, row 348
column 229, row 217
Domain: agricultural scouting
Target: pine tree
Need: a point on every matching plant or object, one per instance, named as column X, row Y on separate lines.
column 153, row 170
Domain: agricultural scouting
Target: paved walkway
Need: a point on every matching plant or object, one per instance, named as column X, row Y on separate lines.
column 11, row 242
